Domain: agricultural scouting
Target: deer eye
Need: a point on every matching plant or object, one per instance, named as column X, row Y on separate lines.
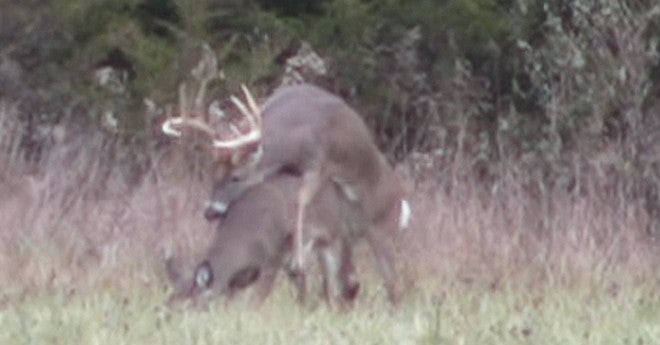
column 204, row 275
column 235, row 179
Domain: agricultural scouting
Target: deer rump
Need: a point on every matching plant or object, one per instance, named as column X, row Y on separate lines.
column 253, row 242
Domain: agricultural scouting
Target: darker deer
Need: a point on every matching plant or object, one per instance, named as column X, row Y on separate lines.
column 253, row 242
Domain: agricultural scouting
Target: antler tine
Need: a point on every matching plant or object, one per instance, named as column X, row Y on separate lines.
column 252, row 113
column 186, row 116
column 183, row 102
column 253, row 105
column 244, row 110
column 252, row 137
column 168, row 126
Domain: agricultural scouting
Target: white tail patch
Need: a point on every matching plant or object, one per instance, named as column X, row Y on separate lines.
column 406, row 215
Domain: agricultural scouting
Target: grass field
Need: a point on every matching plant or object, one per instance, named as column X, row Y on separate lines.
column 82, row 253
column 585, row 314
column 476, row 273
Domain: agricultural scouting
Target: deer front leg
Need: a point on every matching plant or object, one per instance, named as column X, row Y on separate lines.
column 310, row 186
column 299, row 280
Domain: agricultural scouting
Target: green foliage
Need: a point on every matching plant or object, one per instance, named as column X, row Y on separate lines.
column 138, row 30
column 591, row 78
column 294, row 8
column 486, row 79
column 160, row 37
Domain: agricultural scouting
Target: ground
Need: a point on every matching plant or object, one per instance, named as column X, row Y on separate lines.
column 477, row 269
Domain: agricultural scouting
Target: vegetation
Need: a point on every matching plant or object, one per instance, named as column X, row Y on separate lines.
column 528, row 133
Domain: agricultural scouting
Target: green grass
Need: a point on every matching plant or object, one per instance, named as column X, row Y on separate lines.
column 463, row 315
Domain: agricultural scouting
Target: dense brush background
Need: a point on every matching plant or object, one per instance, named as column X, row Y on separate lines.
column 527, row 132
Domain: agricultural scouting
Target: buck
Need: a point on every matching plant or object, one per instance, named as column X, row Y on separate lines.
column 307, row 131
column 253, row 241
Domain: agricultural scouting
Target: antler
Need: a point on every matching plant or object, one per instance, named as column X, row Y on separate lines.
column 250, row 111
column 253, row 115
column 185, row 118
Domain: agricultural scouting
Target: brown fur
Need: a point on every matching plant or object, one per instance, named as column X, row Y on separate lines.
column 253, row 241
column 309, row 132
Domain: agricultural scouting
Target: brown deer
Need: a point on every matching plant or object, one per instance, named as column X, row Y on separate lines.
column 307, row 131
column 253, row 241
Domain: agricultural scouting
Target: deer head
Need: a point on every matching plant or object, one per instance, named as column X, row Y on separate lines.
column 235, row 145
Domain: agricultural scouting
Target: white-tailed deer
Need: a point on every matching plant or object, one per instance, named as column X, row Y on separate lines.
column 254, row 239
column 306, row 131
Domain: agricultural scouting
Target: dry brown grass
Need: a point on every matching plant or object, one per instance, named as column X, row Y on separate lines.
column 79, row 225
column 511, row 238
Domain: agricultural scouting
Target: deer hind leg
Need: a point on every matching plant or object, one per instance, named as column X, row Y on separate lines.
column 325, row 274
column 310, row 187
column 330, row 262
column 378, row 241
column 329, row 256
column 347, row 275
column 339, row 277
